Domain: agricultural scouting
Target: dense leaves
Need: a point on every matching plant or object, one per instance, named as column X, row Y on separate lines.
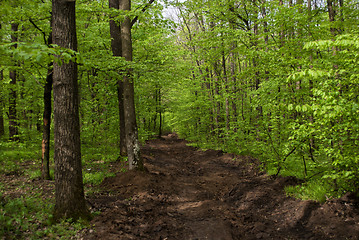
column 274, row 79
column 277, row 79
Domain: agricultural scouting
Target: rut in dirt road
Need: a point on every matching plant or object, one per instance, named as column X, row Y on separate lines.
column 192, row 194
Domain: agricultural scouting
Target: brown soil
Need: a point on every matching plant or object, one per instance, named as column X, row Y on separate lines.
column 192, row 194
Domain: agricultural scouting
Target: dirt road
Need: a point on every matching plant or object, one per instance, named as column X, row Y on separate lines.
column 192, row 194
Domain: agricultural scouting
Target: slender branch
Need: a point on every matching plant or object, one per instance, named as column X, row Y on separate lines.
column 242, row 18
column 143, row 10
column 285, row 158
column 43, row 32
column 272, row 143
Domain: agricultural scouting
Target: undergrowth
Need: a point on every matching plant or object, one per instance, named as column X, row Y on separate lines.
column 317, row 190
column 29, row 217
column 25, row 207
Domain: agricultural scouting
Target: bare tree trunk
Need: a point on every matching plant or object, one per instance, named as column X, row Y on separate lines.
column 234, row 90
column 156, row 111
column 133, row 146
column 69, row 191
column 116, row 45
column 45, row 156
column 2, row 128
column 13, row 121
column 331, row 13
column 226, row 89
column 281, row 33
column 45, row 145
column 160, row 113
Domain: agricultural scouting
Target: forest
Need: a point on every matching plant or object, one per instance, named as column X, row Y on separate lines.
column 86, row 85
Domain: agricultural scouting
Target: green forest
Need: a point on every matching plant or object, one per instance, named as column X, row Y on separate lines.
column 86, row 83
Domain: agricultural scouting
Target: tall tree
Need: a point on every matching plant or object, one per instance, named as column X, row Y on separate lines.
column 13, row 121
column 2, row 127
column 116, row 45
column 45, row 144
column 69, row 192
column 133, row 146
column 45, row 169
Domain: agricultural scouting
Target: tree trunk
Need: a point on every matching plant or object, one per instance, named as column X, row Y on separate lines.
column 116, row 45
column 133, row 146
column 69, row 192
column 13, row 121
column 2, row 128
column 156, row 111
column 331, row 13
column 234, row 90
column 160, row 113
column 45, row 145
column 226, row 83
column 45, row 170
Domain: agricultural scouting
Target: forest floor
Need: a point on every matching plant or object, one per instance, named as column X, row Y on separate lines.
column 187, row 194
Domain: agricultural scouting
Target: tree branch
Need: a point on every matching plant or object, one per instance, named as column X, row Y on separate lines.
column 43, row 33
column 143, row 10
column 246, row 22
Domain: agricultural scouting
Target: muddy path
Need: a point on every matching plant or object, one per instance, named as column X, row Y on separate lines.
column 192, row 194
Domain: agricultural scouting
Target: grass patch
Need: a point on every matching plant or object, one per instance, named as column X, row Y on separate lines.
column 317, row 190
column 13, row 154
column 96, row 178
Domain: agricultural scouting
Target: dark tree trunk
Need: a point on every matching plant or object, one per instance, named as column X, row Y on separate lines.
column 2, row 128
column 156, row 111
column 45, row 170
column 123, row 148
column 133, row 147
column 13, row 121
column 331, row 13
column 45, row 145
column 234, row 80
column 116, row 45
column 69, row 192
column 160, row 113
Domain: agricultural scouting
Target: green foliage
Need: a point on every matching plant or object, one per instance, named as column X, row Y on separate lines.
column 97, row 162
column 317, row 190
column 29, row 216
column 155, row 68
column 96, row 178
column 282, row 87
column 13, row 155
column 278, row 82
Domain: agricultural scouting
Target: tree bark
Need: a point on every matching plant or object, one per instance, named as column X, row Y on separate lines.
column 160, row 113
column 2, row 128
column 45, row 156
column 45, row 145
column 116, row 45
column 133, row 148
column 69, row 192
column 331, row 13
column 13, row 121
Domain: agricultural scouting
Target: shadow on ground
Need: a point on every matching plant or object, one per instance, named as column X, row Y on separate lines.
column 187, row 193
